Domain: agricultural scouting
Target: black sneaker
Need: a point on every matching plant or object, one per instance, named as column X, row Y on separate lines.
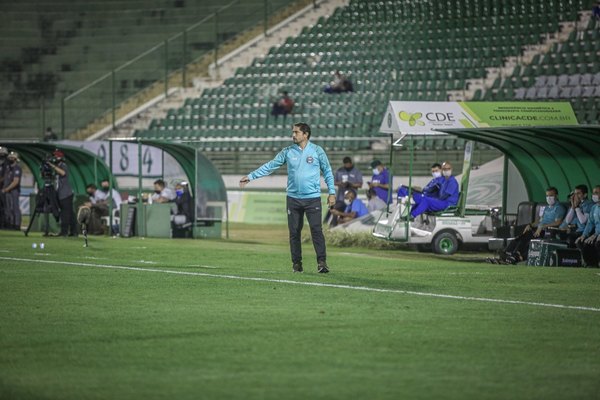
column 297, row 267
column 322, row 268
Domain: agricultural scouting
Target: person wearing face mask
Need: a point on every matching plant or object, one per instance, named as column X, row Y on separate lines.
column 347, row 177
column 589, row 241
column 184, row 205
column 11, row 190
column 380, row 180
column 578, row 214
column 355, row 208
column 3, row 170
column 447, row 195
column 551, row 216
column 432, row 189
column 162, row 194
column 116, row 196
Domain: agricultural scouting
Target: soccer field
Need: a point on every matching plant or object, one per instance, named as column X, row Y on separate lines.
column 182, row 319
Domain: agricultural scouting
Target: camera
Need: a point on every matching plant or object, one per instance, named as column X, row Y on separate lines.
column 46, row 170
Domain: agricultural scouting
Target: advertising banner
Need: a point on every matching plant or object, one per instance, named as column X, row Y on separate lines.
column 424, row 117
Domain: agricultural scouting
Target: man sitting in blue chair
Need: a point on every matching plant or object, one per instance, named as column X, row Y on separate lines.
column 432, row 189
column 446, row 196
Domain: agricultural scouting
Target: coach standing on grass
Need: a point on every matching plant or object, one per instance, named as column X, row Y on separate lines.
column 305, row 162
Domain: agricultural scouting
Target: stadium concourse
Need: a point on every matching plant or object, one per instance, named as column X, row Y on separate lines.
column 169, row 104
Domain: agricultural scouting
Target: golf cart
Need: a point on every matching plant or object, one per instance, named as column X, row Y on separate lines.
column 443, row 232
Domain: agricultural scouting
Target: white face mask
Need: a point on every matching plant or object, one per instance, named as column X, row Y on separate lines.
column 347, row 202
column 550, row 200
column 595, row 198
column 436, row 174
column 447, row 172
column 375, row 171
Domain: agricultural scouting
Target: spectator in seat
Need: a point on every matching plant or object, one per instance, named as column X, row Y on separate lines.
column 589, row 241
column 162, row 194
column 283, row 106
column 596, row 12
column 551, row 216
column 446, row 196
column 374, row 203
column 355, row 208
column 340, row 84
column 578, row 214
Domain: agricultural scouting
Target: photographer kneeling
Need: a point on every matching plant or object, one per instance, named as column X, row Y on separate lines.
column 68, row 225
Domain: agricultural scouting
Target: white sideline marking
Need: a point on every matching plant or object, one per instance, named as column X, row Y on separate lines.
column 318, row 284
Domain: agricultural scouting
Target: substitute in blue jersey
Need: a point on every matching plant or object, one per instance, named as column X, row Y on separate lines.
column 305, row 163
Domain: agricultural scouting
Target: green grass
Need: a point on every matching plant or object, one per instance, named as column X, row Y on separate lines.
column 81, row 332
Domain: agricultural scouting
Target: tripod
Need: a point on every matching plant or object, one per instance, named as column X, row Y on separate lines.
column 46, row 203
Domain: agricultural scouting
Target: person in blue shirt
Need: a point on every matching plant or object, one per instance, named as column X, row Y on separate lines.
column 552, row 216
column 305, row 163
column 589, row 241
column 380, row 180
column 355, row 208
column 432, row 189
column 577, row 215
column 446, row 196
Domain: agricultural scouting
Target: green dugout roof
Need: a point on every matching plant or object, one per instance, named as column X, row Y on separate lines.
column 201, row 173
column 560, row 156
column 84, row 167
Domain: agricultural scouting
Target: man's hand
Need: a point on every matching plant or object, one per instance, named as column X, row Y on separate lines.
column 527, row 228
column 331, row 200
column 244, row 181
column 579, row 239
column 537, row 232
column 590, row 240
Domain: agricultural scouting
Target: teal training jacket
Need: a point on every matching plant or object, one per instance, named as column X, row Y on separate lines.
column 304, row 170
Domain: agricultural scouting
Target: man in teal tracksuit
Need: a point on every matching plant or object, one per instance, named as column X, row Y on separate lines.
column 305, row 162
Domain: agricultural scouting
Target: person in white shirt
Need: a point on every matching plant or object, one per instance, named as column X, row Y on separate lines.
column 162, row 194
column 116, row 196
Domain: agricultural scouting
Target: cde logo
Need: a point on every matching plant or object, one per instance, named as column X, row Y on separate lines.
column 310, row 160
column 412, row 119
column 434, row 117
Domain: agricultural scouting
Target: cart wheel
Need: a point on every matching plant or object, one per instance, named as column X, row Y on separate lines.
column 445, row 243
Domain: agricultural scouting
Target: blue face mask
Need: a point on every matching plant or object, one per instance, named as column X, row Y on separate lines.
column 179, row 192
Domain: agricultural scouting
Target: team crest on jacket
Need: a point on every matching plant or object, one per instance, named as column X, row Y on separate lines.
column 310, row 160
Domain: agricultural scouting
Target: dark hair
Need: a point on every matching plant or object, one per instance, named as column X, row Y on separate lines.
column 552, row 189
column 159, row 182
column 350, row 191
column 304, row 128
column 436, row 165
column 582, row 188
column 347, row 160
column 91, row 186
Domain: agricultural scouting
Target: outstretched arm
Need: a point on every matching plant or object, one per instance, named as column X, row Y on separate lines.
column 266, row 169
